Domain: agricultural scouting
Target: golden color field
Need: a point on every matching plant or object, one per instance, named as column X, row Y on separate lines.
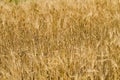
column 60, row 40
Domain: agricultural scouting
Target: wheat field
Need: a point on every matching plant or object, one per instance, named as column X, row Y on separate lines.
column 60, row 40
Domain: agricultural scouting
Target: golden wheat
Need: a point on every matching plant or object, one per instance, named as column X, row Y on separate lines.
column 60, row 40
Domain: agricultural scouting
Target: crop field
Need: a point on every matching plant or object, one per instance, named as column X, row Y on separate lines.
column 59, row 39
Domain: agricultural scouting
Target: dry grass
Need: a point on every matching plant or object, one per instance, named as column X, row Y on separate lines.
column 60, row 40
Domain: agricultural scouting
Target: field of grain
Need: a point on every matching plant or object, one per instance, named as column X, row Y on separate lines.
column 60, row 40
